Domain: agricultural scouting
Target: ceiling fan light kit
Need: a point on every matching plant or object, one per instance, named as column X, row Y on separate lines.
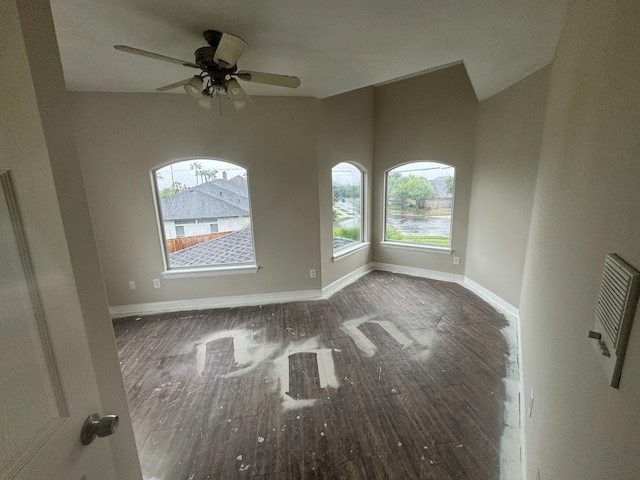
column 194, row 87
column 218, row 65
column 234, row 90
column 205, row 102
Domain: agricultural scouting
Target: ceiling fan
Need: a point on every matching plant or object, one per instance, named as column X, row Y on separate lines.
column 219, row 71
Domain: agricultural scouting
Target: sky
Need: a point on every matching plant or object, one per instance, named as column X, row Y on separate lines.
column 344, row 173
column 429, row 170
column 183, row 173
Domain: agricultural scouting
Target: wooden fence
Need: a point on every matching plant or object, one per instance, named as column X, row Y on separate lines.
column 176, row 244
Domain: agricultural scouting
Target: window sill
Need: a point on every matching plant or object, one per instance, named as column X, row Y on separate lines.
column 345, row 252
column 417, row 247
column 209, row 271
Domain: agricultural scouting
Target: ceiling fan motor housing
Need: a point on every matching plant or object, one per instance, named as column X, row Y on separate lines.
column 204, row 58
column 212, row 37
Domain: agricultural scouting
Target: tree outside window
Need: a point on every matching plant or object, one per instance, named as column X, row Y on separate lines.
column 347, row 183
column 419, row 204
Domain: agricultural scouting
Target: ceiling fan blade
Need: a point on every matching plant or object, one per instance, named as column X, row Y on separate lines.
column 268, row 78
column 229, row 50
column 144, row 53
column 174, row 85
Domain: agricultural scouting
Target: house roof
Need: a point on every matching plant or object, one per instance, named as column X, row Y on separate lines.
column 214, row 199
column 236, row 247
column 440, row 185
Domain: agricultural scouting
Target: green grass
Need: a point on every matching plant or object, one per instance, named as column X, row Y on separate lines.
column 412, row 212
column 352, row 233
column 340, row 214
column 394, row 234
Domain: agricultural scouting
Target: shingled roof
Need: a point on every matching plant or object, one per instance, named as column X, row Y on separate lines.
column 236, row 247
column 214, row 199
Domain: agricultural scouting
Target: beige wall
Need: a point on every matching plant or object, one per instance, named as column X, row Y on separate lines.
column 586, row 205
column 431, row 117
column 345, row 134
column 121, row 137
column 288, row 146
column 504, row 177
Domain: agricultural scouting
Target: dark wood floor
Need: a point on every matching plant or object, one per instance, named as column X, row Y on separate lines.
column 394, row 377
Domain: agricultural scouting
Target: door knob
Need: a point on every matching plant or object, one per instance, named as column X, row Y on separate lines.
column 96, row 426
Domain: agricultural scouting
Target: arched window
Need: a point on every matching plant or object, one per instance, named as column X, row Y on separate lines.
column 347, row 201
column 205, row 214
column 419, row 204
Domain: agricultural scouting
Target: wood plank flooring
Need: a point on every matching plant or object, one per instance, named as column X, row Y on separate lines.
column 394, row 377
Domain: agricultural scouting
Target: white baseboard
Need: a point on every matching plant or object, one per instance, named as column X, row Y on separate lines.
column 346, row 280
column 121, row 311
column 419, row 272
column 151, row 308
column 490, row 297
column 487, row 295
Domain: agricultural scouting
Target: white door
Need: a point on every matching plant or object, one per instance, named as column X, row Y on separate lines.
column 47, row 385
column 47, row 382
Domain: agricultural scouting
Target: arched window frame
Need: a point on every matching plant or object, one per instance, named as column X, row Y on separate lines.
column 342, row 249
column 403, row 240
column 232, row 193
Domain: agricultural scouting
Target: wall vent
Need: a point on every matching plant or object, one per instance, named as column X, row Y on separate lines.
column 614, row 315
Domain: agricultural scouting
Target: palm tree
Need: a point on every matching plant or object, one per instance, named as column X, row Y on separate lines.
column 197, row 167
column 209, row 174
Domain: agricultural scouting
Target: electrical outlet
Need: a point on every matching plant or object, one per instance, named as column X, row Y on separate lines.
column 531, row 403
column 156, row 283
column 312, row 273
column 132, row 285
column 456, row 260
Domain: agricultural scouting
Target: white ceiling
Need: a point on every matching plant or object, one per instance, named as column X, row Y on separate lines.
column 334, row 46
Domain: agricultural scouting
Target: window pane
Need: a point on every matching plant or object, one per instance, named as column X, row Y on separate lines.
column 205, row 213
column 347, row 203
column 419, row 203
